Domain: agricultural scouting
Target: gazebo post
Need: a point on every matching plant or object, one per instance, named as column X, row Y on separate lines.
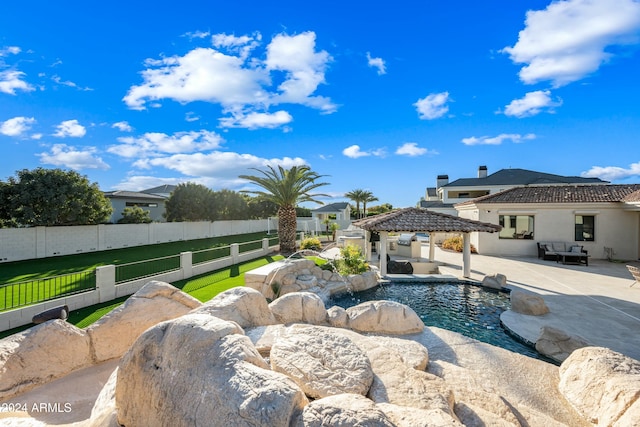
column 383, row 253
column 432, row 246
column 466, row 255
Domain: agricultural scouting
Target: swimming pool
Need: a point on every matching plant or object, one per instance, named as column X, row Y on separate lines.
column 471, row 310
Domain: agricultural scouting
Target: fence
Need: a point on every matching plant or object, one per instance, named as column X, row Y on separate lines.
column 106, row 283
column 20, row 294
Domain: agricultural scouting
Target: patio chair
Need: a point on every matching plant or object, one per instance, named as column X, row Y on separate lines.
column 635, row 272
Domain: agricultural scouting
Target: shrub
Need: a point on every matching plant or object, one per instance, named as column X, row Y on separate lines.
column 456, row 244
column 311, row 243
column 351, row 261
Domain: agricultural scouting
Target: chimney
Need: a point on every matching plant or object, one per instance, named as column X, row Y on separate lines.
column 482, row 172
column 442, row 180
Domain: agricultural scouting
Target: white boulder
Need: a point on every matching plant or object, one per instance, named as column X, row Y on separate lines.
column 321, row 361
column 113, row 334
column 558, row 344
column 528, row 303
column 387, row 317
column 305, row 307
column 343, row 410
column 245, row 306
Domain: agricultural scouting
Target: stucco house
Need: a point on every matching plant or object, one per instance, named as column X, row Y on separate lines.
column 445, row 195
column 123, row 199
column 604, row 219
column 341, row 210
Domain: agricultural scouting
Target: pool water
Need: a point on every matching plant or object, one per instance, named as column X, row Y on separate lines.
column 468, row 309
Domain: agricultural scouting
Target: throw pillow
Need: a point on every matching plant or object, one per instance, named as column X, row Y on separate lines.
column 576, row 249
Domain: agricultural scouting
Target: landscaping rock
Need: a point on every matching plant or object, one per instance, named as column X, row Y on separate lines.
column 495, row 281
column 104, row 412
column 387, row 317
column 602, row 385
column 200, row 370
column 557, row 344
column 113, row 334
column 402, row 416
column 41, row 354
column 527, row 303
column 321, row 361
column 245, row 306
column 305, row 307
column 343, row 410
column 337, row 317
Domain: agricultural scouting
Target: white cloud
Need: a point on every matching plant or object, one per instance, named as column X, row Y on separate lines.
column 11, row 80
column 612, row 173
column 567, row 41
column 10, row 50
column 218, row 164
column 239, row 80
column 377, row 63
column 257, row 120
column 153, row 144
column 354, row 152
column 70, row 128
column 433, row 106
column 304, row 67
column 57, row 79
column 16, row 126
column 533, row 103
column 142, row 182
column 74, row 158
column 497, row 140
column 122, row 126
column 411, row 149
column 190, row 116
column 197, row 34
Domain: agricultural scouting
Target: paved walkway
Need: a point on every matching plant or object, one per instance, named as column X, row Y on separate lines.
column 595, row 302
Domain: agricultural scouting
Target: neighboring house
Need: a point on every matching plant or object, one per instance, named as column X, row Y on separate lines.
column 341, row 211
column 124, row 199
column 446, row 194
column 601, row 218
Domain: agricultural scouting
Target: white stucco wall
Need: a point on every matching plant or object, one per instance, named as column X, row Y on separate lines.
column 614, row 228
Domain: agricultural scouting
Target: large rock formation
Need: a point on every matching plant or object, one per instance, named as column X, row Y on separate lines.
column 114, row 333
column 343, row 410
column 305, row 307
column 41, row 354
column 602, row 385
column 528, row 303
column 245, row 306
column 387, row 317
column 201, row 370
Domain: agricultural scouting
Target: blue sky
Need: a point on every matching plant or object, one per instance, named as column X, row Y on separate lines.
column 379, row 96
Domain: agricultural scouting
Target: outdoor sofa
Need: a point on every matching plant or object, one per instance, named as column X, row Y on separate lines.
column 565, row 252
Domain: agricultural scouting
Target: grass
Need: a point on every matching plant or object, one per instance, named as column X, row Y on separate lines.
column 203, row 288
column 18, row 271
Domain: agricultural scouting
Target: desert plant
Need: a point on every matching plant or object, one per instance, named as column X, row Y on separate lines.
column 334, row 227
column 456, row 244
column 351, row 261
column 311, row 243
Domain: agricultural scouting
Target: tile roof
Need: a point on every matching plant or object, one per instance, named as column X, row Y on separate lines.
column 633, row 197
column 416, row 219
column 333, row 207
column 522, row 177
column 434, row 204
column 562, row 194
column 162, row 189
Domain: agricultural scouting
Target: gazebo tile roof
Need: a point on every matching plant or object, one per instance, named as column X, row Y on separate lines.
column 416, row 220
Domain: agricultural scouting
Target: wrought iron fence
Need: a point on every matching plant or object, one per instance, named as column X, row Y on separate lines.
column 146, row 268
column 205, row 255
column 20, row 294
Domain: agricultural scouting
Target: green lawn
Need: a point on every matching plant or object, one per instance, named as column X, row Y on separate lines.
column 55, row 266
column 203, row 288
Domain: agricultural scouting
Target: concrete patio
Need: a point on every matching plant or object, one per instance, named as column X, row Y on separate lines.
column 594, row 302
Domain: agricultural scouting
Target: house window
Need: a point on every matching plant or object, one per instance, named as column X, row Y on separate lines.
column 141, row 204
column 585, row 228
column 516, row 226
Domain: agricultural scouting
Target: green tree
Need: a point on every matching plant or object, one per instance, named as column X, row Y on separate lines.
column 6, row 213
column 286, row 188
column 383, row 208
column 367, row 197
column 229, row 204
column 47, row 197
column 260, row 208
column 189, row 202
column 357, row 196
column 135, row 215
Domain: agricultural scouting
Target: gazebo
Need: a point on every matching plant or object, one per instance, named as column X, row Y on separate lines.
column 417, row 220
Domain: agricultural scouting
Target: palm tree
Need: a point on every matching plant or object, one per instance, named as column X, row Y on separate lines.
column 357, row 196
column 286, row 188
column 367, row 197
